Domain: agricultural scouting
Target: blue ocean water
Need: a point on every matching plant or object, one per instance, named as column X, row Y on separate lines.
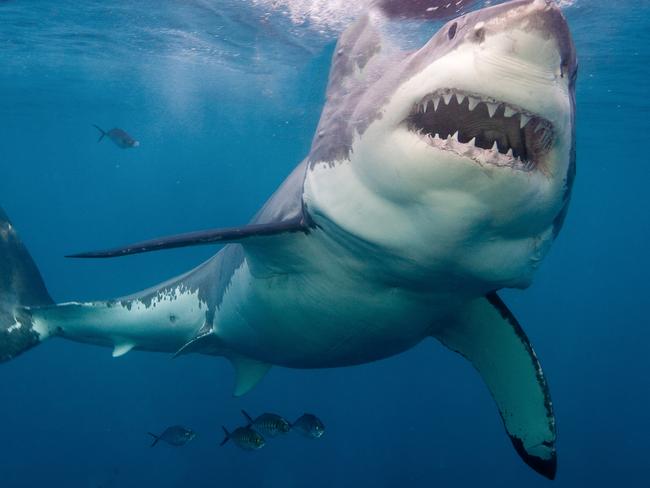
column 224, row 97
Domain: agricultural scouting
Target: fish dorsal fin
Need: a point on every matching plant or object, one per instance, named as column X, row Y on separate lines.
column 121, row 348
column 248, row 373
column 249, row 419
column 211, row 236
column 488, row 335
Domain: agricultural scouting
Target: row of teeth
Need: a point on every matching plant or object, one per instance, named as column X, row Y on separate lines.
column 478, row 154
column 473, row 102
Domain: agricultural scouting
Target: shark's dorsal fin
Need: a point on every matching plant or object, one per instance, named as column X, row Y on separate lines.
column 489, row 336
column 211, row 236
column 248, row 373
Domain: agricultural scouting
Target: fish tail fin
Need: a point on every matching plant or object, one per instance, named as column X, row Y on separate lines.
column 248, row 417
column 102, row 132
column 21, row 287
column 155, row 439
column 226, row 436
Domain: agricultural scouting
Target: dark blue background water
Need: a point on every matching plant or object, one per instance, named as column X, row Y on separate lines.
column 224, row 99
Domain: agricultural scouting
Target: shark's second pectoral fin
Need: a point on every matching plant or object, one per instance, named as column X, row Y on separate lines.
column 248, row 373
column 489, row 336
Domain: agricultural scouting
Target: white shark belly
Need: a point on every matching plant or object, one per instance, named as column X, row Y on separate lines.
column 322, row 314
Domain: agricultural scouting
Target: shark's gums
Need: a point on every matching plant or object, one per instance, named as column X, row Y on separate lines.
column 437, row 176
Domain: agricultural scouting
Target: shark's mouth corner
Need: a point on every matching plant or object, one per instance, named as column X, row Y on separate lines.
column 481, row 128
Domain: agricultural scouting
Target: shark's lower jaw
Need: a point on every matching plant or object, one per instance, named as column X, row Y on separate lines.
column 481, row 128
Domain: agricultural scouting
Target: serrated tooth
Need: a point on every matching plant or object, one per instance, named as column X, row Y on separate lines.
column 492, row 108
column 436, row 101
column 473, row 102
column 424, row 109
column 455, row 136
column 523, row 120
column 460, row 97
column 495, row 147
column 449, row 139
column 509, row 112
column 509, row 153
column 447, row 98
column 436, row 136
column 472, row 141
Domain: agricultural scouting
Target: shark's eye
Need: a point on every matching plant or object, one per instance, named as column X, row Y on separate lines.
column 452, row 31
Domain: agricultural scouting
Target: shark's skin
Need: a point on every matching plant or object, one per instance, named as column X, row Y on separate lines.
column 404, row 237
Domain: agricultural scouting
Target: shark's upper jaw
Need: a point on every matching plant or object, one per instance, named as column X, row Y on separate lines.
column 481, row 128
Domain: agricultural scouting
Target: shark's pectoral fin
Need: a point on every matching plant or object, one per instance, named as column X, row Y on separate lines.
column 212, row 236
column 488, row 335
column 248, row 373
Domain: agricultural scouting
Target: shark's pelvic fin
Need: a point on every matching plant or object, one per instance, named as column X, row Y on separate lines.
column 204, row 337
column 248, row 373
column 121, row 348
column 211, row 236
column 489, row 336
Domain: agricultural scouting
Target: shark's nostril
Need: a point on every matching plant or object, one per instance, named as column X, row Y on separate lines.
column 479, row 32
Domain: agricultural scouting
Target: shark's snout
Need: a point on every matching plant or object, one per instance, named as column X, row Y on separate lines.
column 494, row 84
column 537, row 18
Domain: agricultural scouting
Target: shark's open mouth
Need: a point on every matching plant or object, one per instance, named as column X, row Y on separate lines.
column 481, row 128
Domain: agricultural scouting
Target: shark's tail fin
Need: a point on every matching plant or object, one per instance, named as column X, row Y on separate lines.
column 102, row 132
column 156, row 438
column 226, row 434
column 21, row 286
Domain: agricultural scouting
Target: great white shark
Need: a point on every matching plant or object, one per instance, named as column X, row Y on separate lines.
column 437, row 176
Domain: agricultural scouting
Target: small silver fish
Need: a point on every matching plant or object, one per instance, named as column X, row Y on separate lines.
column 245, row 437
column 118, row 136
column 309, row 425
column 176, row 435
column 268, row 423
